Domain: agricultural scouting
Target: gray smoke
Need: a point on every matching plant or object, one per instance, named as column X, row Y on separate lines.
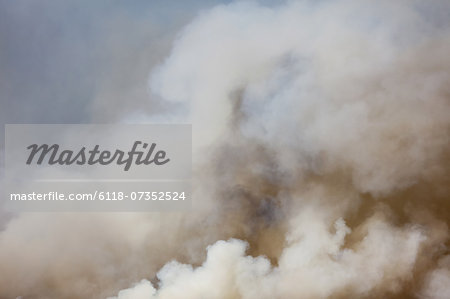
column 321, row 166
column 330, row 128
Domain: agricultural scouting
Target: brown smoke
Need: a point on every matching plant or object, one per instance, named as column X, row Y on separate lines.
column 321, row 166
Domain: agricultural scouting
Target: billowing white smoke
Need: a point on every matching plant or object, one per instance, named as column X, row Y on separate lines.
column 363, row 85
column 321, row 166
column 343, row 108
column 317, row 267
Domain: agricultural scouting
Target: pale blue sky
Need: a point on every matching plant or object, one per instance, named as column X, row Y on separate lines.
column 56, row 57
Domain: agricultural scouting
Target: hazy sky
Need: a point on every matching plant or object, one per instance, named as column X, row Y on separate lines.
column 83, row 61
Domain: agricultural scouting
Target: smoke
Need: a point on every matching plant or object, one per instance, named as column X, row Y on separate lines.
column 321, row 165
column 330, row 129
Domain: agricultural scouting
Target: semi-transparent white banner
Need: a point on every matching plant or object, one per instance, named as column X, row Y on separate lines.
column 97, row 167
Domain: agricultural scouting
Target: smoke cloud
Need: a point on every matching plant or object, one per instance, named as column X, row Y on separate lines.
column 330, row 123
column 321, row 166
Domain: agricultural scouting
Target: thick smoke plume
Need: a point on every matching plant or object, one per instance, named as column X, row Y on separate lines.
column 321, row 133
